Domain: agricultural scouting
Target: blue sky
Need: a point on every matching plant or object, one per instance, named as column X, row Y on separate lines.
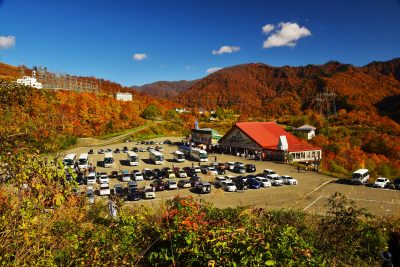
column 100, row 38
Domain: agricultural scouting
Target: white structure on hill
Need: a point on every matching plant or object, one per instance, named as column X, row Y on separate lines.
column 30, row 81
column 123, row 96
column 308, row 129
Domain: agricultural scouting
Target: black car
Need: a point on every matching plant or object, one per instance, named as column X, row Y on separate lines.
column 117, row 150
column 91, row 151
column 126, row 149
column 80, row 178
column 204, row 169
column 250, row 168
column 240, row 183
column 133, row 195
column 167, row 142
column 119, row 190
column 135, row 149
column 114, row 174
column 220, row 170
column 239, row 169
column 148, row 175
column 159, row 175
column 194, row 180
column 190, row 171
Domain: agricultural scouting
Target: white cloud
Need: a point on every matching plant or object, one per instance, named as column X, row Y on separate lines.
column 226, row 49
column 191, row 67
column 7, row 41
column 139, row 56
column 213, row 69
column 286, row 35
column 267, row 28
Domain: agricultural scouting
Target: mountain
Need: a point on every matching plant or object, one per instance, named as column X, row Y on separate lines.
column 164, row 89
column 262, row 89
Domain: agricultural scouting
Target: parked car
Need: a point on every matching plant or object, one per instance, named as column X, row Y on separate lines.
column 228, row 186
column 158, row 185
column 108, row 150
column 194, row 180
column 239, row 169
column 103, row 178
column 241, row 183
column 360, row 176
column 104, row 189
column 125, row 176
column 114, row 174
column 148, row 192
column 181, row 174
column 167, row 142
column 269, row 171
column 125, row 149
column 100, row 151
column 90, row 195
column 381, row 182
column 117, row 151
column 211, row 170
column 250, row 168
column 170, row 174
column 91, row 178
column 184, row 184
column 289, row 180
column 135, row 149
column 229, row 165
column 159, row 148
column 264, row 182
column 148, row 174
column 138, row 176
column 171, row 184
column 119, row 190
column 80, row 178
column 133, row 185
column 134, row 195
column 159, row 175
column 218, row 181
column 91, row 151
column 204, row 187
column 197, row 169
column 275, row 179
column 396, row 183
column 142, row 149
column 220, row 170
column 253, row 183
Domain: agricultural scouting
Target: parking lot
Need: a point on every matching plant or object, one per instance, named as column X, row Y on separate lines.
column 310, row 194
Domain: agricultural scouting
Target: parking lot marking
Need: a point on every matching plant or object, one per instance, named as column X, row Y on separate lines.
column 312, row 203
column 318, row 187
column 373, row 200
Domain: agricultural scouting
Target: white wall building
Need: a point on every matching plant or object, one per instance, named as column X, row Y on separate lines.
column 30, row 81
column 123, row 96
column 308, row 129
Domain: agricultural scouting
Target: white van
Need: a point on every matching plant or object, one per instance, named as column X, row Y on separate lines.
column 69, row 160
column 360, row 176
column 108, row 160
column 132, row 158
column 83, row 161
column 179, row 156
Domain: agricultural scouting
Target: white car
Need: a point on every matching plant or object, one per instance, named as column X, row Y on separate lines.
column 91, row 178
column 148, row 192
column 170, row 174
column 90, row 194
column 103, row 178
column 181, row 174
column 269, row 171
column 125, row 176
column 275, row 179
column 381, row 182
column 228, row 186
column 229, row 165
column 263, row 181
column 197, row 169
column 171, row 184
column 104, row 189
column 289, row 180
column 212, row 170
column 138, row 176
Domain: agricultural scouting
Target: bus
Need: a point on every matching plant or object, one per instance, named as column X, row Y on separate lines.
column 83, row 161
column 179, row 156
column 69, row 160
column 133, row 158
column 156, row 157
column 198, row 154
column 108, row 160
column 185, row 150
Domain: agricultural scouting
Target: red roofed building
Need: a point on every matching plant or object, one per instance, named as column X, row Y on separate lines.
column 268, row 140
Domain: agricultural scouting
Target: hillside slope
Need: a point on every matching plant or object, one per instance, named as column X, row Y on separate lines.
column 262, row 89
column 164, row 89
